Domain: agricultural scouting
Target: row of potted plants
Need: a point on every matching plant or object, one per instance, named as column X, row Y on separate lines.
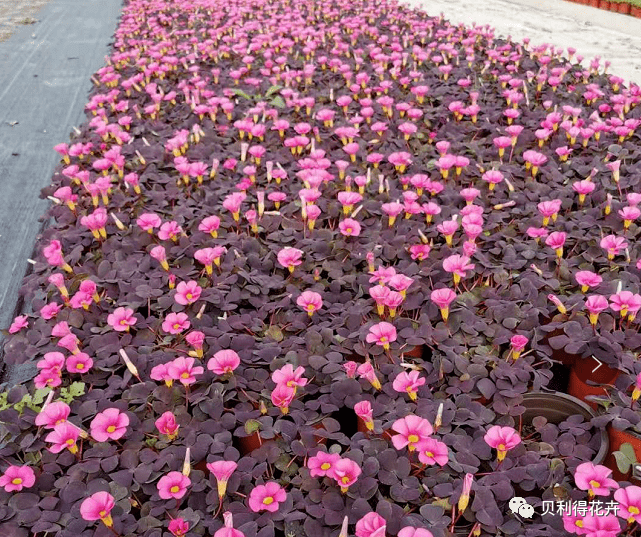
column 626, row 7
column 316, row 270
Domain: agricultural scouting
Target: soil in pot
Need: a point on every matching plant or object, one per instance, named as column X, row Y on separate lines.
column 560, row 378
column 586, row 371
column 617, row 438
column 556, row 408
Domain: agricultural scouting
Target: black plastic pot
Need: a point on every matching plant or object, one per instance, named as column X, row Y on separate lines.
column 557, row 407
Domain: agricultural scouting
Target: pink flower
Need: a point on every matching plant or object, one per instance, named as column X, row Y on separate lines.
column 458, row 265
column 409, row 531
column 595, row 304
column 587, row 279
column 574, row 523
column 18, row 324
column 366, row 371
column 290, row 258
column 97, row 507
column 408, row 383
column 382, row 275
column 382, row 334
column 549, row 209
column 52, row 362
column 518, row 343
column 228, row 530
column 160, row 372
column 169, row 230
column 160, row 254
column 187, row 293
column 282, row 396
column 166, row 424
column 210, row 225
column 79, row 363
column 364, row 411
column 70, row 342
column 50, row 310
column 433, row 452
column 626, row 302
column 173, row 485
column 629, row 499
column 175, row 323
column 600, row 525
column 290, row 378
column 182, row 369
column 322, row 464
column 121, row 319
column 443, row 298
column 222, row 471
column 47, row 378
column 63, row 436
column 629, row 214
column 583, row 188
column 350, row 368
column 401, row 283
column 110, row 424
column 178, row 527
column 266, row 497
column 413, row 431
column 537, row 232
column 349, row 227
column 447, row 229
column 556, row 241
column 502, row 439
column 419, row 251
column 371, row 525
column 53, row 414
column 223, row 362
column 15, row 478
column 493, row 178
column 346, row 473
column 310, row 301
column 613, row 245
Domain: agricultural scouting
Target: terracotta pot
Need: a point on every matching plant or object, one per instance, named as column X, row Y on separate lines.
column 557, row 407
column 616, row 439
column 249, row 443
column 588, row 369
column 593, row 3
column 635, row 11
column 624, row 8
column 202, row 466
column 604, row 4
column 413, row 352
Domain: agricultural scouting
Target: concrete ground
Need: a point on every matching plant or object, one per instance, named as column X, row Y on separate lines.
column 14, row 13
column 591, row 31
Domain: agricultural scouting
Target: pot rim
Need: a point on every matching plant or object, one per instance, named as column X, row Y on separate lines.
column 582, row 408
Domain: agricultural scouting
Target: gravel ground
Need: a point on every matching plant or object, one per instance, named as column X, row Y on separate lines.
column 14, row 13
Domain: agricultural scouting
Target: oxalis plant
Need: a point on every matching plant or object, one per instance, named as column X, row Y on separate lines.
column 306, row 261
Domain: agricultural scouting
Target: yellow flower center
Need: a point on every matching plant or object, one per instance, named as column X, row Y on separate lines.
column 174, row 489
column 578, row 523
column 429, row 454
column 70, row 442
column 268, row 501
column 111, row 428
column 176, row 326
column 310, row 307
column 102, row 514
column 61, row 420
column 501, row 447
column 123, row 322
column 633, row 510
column 189, row 296
column 412, row 439
column 349, row 230
column 345, row 480
column 327, row 466
column 383, row 338
column 17, row 481
column 595, row 484
column 185, row 375
column 80, row 366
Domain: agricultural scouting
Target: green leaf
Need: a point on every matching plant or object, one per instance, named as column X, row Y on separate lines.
column 251, row 426
column 273, row 90
column 627, row 449
column 275, row 333
column 623, row 462
column 241, row 93
column 278, row 102
column 77, row 389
